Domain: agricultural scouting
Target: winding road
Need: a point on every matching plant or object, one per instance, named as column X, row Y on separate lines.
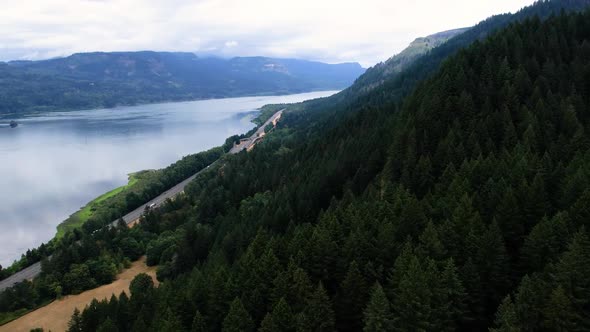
column 32, row 271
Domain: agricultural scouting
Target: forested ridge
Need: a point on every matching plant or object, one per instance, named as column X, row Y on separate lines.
column 464, row 210
column 463, row 206
column 109, row 79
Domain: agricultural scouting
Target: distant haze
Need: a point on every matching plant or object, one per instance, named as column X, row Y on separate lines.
column 332, row 31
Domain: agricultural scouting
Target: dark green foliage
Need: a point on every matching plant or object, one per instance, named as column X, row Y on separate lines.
column 107, row 326
column 377, row 315
column 318, row 314
column 351, row 300
column 141, row 289
column 281, row 318
column 237, row 319
column 198, row 324
column 506, row 318
column 75, row 324
column 466, row 201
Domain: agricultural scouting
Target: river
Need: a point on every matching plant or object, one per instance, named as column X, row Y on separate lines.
column 54, row 163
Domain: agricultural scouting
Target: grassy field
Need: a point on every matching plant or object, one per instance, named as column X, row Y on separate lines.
column 78, row 219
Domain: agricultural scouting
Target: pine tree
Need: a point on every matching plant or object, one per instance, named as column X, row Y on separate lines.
column 509, row 219
column 430, row 244
column 198, row 324
column 377, row 315
column 75, row 324
column 139, row 325
column 123, row 314
column 506, row 320
column 351, row 300
column 492, row 262
column 237, row 319
column 475, row 306
column 400, row 266
column 267, row 324
column 170, row 322
column 107, row 326
column 282, row 317
column 452, row 295
column 318, row 313
column 217, row 299
column 545, row 242
column 560, row 314
column 411, row 299
column 537, row 204
column 141, row 289
column 572, row 271
column 528, row 301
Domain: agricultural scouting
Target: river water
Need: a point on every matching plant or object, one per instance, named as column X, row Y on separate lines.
column 54, row 163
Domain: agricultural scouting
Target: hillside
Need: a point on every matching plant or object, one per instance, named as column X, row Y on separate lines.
column 463, row 209
column 89, row 80
column 377, row 74
column 398, row 85
column 454, row 200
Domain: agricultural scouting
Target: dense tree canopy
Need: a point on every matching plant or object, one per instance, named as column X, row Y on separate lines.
column 458, row 202
column 462, row 208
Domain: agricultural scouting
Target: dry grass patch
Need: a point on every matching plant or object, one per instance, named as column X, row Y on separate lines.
column 56, row 315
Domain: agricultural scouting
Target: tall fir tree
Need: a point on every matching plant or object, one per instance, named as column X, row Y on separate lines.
column 237, row 319
column 377, row 315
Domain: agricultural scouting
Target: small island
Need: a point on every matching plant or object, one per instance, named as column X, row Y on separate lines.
column 13, row 124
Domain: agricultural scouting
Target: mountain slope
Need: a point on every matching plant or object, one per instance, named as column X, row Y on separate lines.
column 107, row 79
column 398, row 85
column 472, row 190
column 460, row 207
column 377, row 74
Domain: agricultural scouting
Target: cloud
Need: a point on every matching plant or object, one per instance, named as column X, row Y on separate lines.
column 334, row 31
column 231, row 43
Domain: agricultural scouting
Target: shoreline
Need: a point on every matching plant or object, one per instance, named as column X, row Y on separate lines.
column 34, row 113
column 255, row 116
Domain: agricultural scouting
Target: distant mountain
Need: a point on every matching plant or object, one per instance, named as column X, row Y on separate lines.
column 394, row 84
column 376, row 75
column 88, row 80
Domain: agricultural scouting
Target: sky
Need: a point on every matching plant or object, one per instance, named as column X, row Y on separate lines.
column 334, row 31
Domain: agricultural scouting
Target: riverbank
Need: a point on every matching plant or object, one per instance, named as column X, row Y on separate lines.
column 76, row 220
column 83, row 151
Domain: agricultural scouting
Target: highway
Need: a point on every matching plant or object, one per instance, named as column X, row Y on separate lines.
column 170, row 193
column 32, row 271
column 24, row 274
column 248, row 143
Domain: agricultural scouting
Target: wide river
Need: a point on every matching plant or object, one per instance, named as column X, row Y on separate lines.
column 54, row 163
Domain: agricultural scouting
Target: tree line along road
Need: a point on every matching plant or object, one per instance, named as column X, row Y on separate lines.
column 34, row 270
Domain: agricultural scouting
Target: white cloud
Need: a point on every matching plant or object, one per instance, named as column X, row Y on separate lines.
column 328, row 30
column 231, row 43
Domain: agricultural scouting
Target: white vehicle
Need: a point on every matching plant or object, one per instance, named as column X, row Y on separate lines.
column 150, row 206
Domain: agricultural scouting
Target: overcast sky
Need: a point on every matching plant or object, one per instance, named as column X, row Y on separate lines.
column 366, row 31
